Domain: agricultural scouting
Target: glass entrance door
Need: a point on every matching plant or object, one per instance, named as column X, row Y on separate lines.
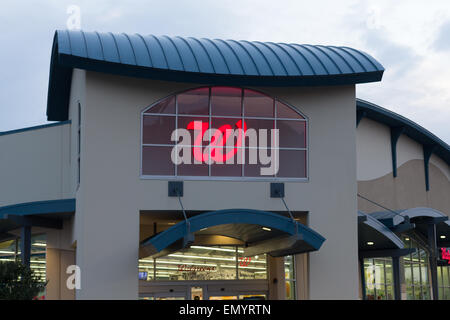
column 204, row 290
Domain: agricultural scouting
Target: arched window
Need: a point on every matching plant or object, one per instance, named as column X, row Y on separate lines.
column 223, row 132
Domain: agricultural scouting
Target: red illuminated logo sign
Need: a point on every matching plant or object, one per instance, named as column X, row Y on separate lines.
column 445, row 254
column 219, row 138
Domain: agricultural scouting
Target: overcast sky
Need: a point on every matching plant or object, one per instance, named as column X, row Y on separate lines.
column 410, row 38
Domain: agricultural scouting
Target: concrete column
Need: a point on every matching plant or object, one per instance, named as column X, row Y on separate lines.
column 276, row 277
column 57, row 262
column 302, row 276
column 107, row 250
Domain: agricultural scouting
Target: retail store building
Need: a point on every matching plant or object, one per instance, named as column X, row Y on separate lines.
column 136, row 185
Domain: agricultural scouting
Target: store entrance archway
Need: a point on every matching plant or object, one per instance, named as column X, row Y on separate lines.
column 226, row 254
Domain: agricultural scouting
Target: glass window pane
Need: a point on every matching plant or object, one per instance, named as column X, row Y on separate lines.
column 445, row 278
column 253, row 166
column 284, row 111
column 417, row 293
column 157, row 161
column 388, row 266
column 292, row 164
column 257, row 105
column 226, row 101
column 233, row 169
column 379, row 271
column 408, row 274
column 197, row 134
column 165, row 106
column 158, row 129
column 409, row 293
column 447, row 294
column 426, row 293
column 194, row 169
column 194, row 102
column 416, row 274
column 439, row 276
column 381, row 292
column 252, row 267
column 389, row 293
column 256, row 138
column 424, row 271
column 292, row 133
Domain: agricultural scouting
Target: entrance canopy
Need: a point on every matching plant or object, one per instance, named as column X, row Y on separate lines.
column 421, row 217
column 377, row 240
column 261, row 231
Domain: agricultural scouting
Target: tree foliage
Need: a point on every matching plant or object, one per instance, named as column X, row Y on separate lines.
column 18, row 282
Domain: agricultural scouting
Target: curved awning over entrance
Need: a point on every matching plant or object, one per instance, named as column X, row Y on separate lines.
column 261, row 231
column 377, row 240
column 421, row 217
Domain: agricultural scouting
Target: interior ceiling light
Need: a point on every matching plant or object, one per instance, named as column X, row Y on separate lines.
column 370, row 243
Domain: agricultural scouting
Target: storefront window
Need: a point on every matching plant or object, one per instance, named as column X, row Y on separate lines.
column 289, row 273
column 443, row 273
column 204, row 263
column 416, row 272
column 10, row 251
column 379, row 279
column 205, row 154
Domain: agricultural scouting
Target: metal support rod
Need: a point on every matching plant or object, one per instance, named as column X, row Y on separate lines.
column 396, row 274
column 188, row 225
column 25, row 245
column 290, row 214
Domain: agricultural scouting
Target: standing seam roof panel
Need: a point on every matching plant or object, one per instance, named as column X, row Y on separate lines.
column 126, row 52
column 233, row 61
column 77, row 44
column 328, row 63
column 189, row 61
column 171, row 53
column 156, row 51
column 261, row 62
column 304, row 66
column 277, row 60
column 217, row 59
column 316, row 65
column 140, row 51
column 247, row 61
column 110, row 52
column 63, row 42
column 374, row 65
column 202, row 55
column 94, row 47
column 339, row 60
column 354, row 63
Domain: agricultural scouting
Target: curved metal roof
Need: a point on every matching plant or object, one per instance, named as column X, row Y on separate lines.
column 202, row 60
column 242, row 224
column 411, row 129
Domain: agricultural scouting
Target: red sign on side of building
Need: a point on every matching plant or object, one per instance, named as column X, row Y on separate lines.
column 445, row 254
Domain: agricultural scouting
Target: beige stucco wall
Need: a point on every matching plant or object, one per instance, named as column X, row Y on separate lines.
column 373, row 150
column 111, row 192
column 407, row 190
column 34, row 165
